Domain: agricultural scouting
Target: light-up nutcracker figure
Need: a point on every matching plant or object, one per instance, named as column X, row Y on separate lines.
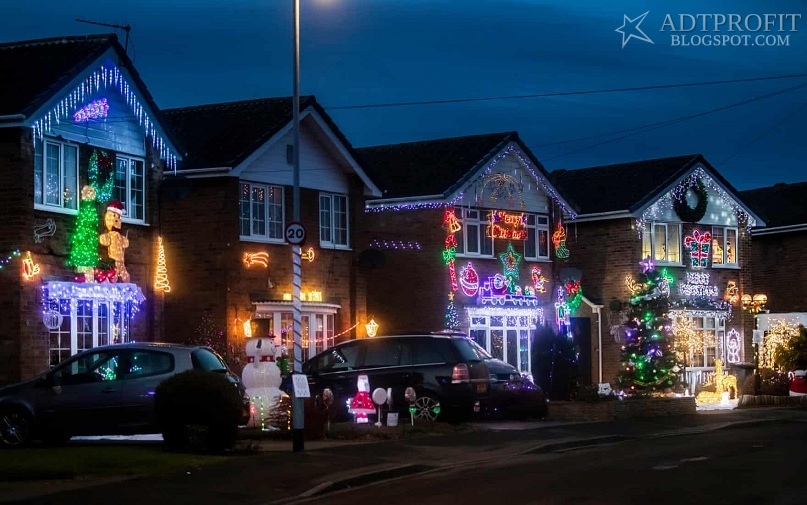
column 114, row 240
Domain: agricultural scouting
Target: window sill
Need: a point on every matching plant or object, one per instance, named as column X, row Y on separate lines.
column 332, row 247
column 664, row 264
column 474, row 256
column 138, row 222
column 262, row 240
column 54, row 209
column 538, row 260
column 726, row 267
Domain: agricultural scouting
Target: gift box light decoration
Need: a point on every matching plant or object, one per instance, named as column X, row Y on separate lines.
column 699, row 245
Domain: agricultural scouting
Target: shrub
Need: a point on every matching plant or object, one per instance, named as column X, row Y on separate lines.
column 773, row 382
column 198, row 411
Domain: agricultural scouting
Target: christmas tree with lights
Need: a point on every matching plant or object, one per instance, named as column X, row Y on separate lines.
column 84, row 241
column 648, row 358
column 452, row 317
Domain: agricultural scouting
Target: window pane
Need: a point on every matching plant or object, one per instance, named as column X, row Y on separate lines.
column 717, row 245
column 673, row 243
column 258, row 211
column 472, row 233
column 531, row 242
column 497, row 344
column 60, row 337
column 38, row 173
column 340, row 220
column 84, row 325
column 275, row 212
column 70, row 178
column 429, row 354
column 305, row 337
column 325, row 218
column 647, row 251
column 121, row 168
column 660, row 245
column 243, row 209
column 731, row 246
column 137, row 196
column 319, row 328
column 103, row 324
column 480, row 337
column 52, row 185
column 543, row 243
column 487, row 243
column 330, row 320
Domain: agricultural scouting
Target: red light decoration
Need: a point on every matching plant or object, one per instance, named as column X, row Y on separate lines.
column 507, row 225
column 699, row 244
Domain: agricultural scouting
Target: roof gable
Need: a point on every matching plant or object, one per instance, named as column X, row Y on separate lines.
column 67, row 70
column 440, row 172
column 224, row 137
column 779, row 205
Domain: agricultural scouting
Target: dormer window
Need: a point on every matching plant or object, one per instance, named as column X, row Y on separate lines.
column 662, row 242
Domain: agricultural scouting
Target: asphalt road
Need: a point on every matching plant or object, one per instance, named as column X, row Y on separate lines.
column 755, row 465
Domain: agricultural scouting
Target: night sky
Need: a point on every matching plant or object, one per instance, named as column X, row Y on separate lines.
column 361, row 52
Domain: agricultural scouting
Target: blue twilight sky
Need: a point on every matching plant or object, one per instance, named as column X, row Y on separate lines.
column 357, row 52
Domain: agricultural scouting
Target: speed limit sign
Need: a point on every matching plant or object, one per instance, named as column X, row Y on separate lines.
column 295, row 233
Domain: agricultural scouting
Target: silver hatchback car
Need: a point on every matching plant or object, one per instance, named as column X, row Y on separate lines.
column 101, row 391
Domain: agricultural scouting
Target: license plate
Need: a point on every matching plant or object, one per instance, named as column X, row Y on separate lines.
column 482, row 387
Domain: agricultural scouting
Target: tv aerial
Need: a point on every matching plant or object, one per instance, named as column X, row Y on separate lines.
column 126, row 28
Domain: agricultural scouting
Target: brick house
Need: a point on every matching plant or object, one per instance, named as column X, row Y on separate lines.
column 465, row 222
column 226, row 210
column 780, row 265
column 79, row 132
column 626, row 212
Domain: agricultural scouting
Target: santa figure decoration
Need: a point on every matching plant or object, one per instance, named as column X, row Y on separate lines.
column 362, row 403
column 114, row 240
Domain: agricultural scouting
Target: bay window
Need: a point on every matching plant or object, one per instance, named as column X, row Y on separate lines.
column 724, row 246
column 662, row 242
column 55, row 174
column 261, row 212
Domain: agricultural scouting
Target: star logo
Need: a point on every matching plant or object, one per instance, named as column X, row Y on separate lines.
column 630, row 29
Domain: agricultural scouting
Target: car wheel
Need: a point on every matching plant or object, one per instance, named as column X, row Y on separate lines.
column 427, row 407
column 16, row 427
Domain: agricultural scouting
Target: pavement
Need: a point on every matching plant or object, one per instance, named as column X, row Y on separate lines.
column 273, row 474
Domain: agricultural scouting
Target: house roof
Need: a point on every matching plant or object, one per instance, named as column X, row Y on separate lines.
column 225, row 134
column 779, row 205
column 630, row 187
column 620, row 187
column 431, row 167
column 44, row 68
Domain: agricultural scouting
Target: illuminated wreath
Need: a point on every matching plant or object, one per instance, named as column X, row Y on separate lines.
column 682, row 208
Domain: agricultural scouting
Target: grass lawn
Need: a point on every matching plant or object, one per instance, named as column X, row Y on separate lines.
column 68, row 462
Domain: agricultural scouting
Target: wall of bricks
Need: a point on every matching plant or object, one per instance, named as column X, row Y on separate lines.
column 780, row 270
column 409, row 293
column 24, row 344
column 626, row 409
column 207, row 269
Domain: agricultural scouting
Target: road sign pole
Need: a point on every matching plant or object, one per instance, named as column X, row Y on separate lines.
column 297, row 408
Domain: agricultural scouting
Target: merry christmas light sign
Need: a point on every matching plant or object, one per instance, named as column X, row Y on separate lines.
column 697, row 285
column 507, row 225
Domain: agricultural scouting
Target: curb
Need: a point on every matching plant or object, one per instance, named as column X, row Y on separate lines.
column 575, row 444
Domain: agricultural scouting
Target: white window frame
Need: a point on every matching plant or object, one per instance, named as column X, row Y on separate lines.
column 724, row 233
column 538, row 228
column 524, row 325
column 331, row 224
column 267, row 237
column 482, row 221
column 649, row 234
column 70, row 317
column 40, row 161
column 312, row 314
column 128, row 190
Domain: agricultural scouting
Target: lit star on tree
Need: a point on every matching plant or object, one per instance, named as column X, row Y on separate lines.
column 510, row 260
column 647, row 265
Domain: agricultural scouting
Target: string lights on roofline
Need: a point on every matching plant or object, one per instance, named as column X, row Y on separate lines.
column 106, row 78
column 667, row 201
column 526, row 163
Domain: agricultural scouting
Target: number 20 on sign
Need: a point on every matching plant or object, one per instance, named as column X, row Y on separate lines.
column 295, row 233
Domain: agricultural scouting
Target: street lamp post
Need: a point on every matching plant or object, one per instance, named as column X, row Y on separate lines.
column 297, row 408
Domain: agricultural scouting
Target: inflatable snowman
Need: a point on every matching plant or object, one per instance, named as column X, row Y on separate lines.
column 261, row 378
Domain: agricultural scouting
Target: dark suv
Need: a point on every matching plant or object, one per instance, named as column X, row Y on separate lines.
column 442, row 369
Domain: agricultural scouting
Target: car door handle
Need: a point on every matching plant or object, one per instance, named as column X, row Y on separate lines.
column 109, row 390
